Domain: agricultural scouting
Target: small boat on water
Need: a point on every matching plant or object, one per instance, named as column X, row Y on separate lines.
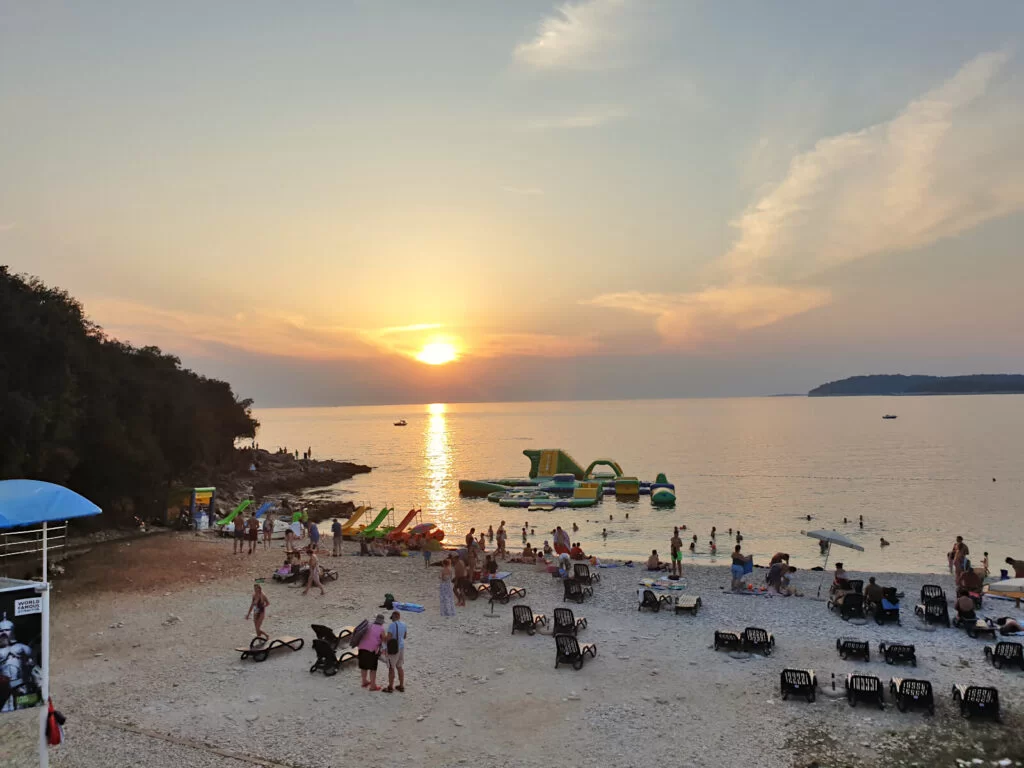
column 889, row 416
column 402, row 422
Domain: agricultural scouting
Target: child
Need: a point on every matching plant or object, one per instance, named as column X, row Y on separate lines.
column 258, row 609
column 984, row 562
column 713, row 547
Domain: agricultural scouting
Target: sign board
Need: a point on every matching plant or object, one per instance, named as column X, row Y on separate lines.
column 21, row 638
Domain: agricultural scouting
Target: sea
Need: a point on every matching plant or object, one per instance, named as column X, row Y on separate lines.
column 947, row 466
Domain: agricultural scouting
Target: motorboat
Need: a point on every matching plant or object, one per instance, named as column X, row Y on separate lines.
column 402, row 422
column 889, row 416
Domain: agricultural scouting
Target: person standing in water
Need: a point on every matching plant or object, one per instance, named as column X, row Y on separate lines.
column 676, row 548
column 258, row 609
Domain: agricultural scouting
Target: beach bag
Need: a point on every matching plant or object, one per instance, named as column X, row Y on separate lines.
column 54, row 722
column 358, row 632
column 389, row 601
column 393, row 641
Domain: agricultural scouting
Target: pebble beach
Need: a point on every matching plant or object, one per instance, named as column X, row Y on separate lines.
column 146, row 674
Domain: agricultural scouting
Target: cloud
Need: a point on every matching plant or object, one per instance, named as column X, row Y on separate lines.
column 524, row 191
column 533, row 345
column 946, row 163
column 588, row 118
column 408, row 328
column 588, row 35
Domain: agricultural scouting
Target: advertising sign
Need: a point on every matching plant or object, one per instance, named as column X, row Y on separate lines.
column 21, row 637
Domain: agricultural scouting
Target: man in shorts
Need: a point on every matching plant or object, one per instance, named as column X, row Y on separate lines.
column 239, row 531
column 396, row 632
column 336, row 533
column 314, row 536
column 677, row 554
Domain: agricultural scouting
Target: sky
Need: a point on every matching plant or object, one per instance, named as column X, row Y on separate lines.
column 576, row 200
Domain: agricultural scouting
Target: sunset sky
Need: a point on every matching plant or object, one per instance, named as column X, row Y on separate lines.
column 603, row 198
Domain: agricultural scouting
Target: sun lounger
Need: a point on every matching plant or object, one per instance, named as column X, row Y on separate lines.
column 327, row 634
column 758, row 640
column 850, row 606
column 977, row 700
column 934, row 611
column 569, row 651
column 857, row 585
column 574, row 591
column 258, row 651
column 976, row 625
column 728, row 639
column 523, row 617
column 689, row 603
column 932, row 592
column 566, row 623
column 912, row 694
column 889, row 608
column 582, row 572
column 864, row 688
column 847, row 646
column 326, row 661
column 648, row 599
column 500, row 593
column 894, row 652
column 799, row 682
column 1005, row 653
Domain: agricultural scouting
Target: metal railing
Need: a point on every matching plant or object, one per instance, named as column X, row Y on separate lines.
column 26, row 542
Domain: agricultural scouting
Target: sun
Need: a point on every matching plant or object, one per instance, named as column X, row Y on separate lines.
column 437, row 353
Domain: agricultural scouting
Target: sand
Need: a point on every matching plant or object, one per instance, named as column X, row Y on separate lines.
column 147, row 675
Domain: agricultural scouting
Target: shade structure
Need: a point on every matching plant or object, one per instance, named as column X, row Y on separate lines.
column 419, row 530
column 30, row 502
column 833, row 537
column 1007, row 588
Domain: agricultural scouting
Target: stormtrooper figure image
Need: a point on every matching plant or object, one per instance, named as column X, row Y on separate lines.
column 19, row 674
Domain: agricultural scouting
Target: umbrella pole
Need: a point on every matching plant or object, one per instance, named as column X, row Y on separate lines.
column 44, row 757
column 828, row 552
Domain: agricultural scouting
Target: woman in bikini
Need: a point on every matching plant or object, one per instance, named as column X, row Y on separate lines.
column 258, row 610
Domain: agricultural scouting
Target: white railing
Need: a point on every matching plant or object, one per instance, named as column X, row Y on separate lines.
column 29, row 541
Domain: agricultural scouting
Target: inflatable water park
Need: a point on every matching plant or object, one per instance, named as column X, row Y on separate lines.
column 556, row 481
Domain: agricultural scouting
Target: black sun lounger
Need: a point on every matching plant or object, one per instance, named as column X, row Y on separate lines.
column 326, row 661
column 799, row 682
column 582, row 572
column 574, row 591
column 851, row 606
column 524, row 618
column 566, row 623
column 728, row 639
column 569, row 651
column 648, row 599
column 932, row 592
column 327, row 634
column 977, row 700
column 502, row 594
column 977, row 627
column 894, row 652
column 758, row 640
column 1005, row 653
column 864, row 688
column 912, row 694
column 847, row 646
column 934, row 611
column 258, row 651
column 689, row 603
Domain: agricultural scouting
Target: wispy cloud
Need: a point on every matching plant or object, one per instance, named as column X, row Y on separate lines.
column 586, row 35
column 946, row 163
column 591, row 117
column 408, row 328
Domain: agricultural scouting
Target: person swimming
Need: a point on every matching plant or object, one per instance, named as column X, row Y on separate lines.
column 883, row 542
column 604, row 532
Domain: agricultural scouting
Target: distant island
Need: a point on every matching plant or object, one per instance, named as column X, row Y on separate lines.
column 898, row 384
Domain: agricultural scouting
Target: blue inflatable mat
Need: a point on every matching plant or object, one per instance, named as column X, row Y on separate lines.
column 411, row 607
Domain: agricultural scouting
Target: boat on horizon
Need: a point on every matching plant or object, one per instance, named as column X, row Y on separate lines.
column 402, row 423
column 889, row 416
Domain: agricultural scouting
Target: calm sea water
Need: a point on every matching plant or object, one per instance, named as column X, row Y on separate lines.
column 759, row 465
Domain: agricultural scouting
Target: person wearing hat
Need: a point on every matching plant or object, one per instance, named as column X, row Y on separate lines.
column 369, row 653
column 396, row 634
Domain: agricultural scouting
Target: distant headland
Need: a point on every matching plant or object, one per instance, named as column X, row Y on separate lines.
column 898, row 384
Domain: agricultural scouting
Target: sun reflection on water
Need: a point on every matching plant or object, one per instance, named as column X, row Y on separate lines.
column 438, row 469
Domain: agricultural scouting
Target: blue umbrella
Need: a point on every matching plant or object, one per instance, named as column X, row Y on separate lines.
column 29, row 502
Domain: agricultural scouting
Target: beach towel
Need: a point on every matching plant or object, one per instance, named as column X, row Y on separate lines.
column 748, row 566
column 411, row 607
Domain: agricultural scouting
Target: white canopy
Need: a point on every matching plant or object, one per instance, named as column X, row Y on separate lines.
column 832, row 537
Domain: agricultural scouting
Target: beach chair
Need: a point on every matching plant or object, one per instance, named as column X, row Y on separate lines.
column 977, row 700
column 728, row 639
column 847, row 646
column 850, row 607
column 857, row 585
column 864, row 688
column 523, row 617
column 326, row 661
column 566, row 623
column 976, row 626
column 934, row 611
column 259, row 649
column 500, row 593
column 932, row 592
column 894, row 652
column 689, row 603
column 799, row 682
column 758, row 640
column 582, row 572
column 648, row 599
column 912, row 694
column 1005, row 653
column 327, row 634
column 889, row 608
column 569, row 651
column 574, row 591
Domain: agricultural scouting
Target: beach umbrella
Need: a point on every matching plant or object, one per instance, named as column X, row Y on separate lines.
column 1011, row 588
column 422, row 528
column 832, row 537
